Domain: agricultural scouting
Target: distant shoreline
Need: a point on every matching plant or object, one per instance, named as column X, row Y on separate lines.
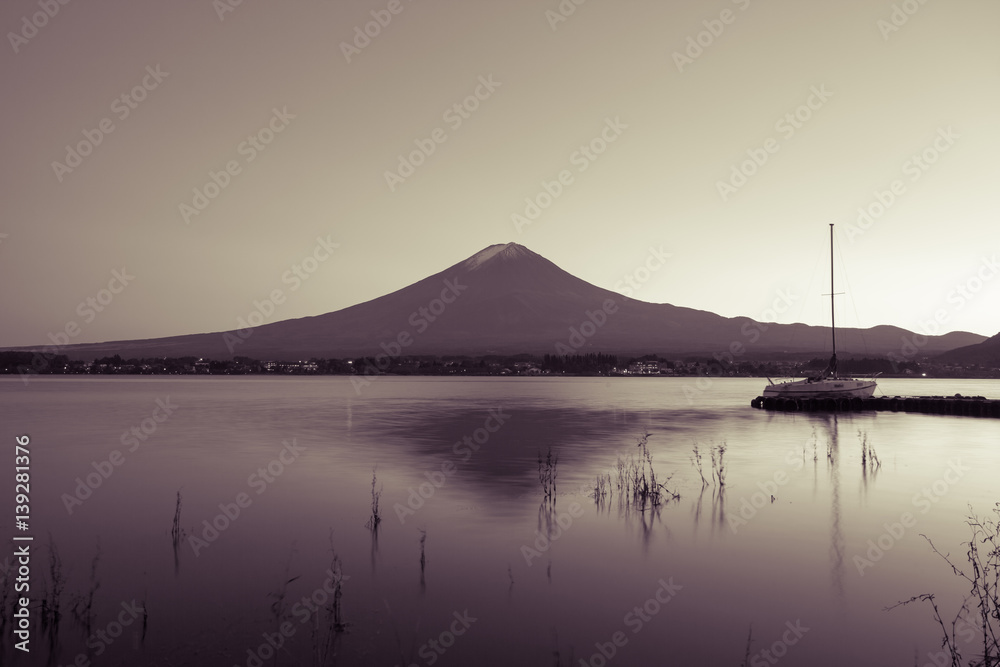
column 29, row 365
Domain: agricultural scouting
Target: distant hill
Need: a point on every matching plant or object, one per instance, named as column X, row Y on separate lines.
column 507, row 299
column 986, row 353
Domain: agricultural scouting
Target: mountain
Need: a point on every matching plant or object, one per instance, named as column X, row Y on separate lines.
column 986, row 354
column 507, row 299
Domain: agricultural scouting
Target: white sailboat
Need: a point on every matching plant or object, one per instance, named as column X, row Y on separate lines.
column 828, row 384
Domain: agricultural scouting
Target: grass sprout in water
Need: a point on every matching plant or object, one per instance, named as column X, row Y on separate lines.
column 637, row 482
column 376, row 516
column 547, row 473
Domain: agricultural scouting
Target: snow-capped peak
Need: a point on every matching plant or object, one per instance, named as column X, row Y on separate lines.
column 500, row 251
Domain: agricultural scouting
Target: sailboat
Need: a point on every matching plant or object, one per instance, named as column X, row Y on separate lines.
column 827, row 384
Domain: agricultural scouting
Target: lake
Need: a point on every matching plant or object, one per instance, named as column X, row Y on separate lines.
column 803, row 548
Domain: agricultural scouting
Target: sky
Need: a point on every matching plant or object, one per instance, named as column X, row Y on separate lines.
column 177, row 164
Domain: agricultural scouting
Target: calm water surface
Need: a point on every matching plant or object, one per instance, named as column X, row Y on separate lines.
column 507, row 577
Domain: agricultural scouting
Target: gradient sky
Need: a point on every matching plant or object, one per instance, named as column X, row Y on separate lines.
column 889, row 95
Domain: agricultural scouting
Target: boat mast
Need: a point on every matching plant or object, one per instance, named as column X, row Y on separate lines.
column 833, row 316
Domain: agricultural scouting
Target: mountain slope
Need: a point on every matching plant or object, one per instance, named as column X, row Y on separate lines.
column 507, row 299
column 986, row 354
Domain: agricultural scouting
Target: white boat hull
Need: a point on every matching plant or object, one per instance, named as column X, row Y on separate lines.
column 825, row 388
